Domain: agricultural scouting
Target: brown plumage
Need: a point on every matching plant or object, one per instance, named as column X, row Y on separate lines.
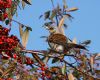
column 57, row 38
column 60, row 39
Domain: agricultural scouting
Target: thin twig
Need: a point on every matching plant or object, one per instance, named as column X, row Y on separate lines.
column 34, row 51
column 18, row 22
column 57, row 20
column 52, row 3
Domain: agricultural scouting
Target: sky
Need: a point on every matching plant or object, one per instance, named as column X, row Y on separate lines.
column 84, row 26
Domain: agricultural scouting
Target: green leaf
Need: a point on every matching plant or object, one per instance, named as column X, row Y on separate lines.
column 29, row 28
column 53, row 15
column 46, row 15
column 33, row 69
column 86, row 42
column 65, row 25
column 76, row 74
column 7, row 22
column 40, row 16
column 43, row 58
column 14, row 8
column 69, row 16
column 55, row 60
column 9, row 12
column 23, row 58
column 48, row 24
column 25, row 37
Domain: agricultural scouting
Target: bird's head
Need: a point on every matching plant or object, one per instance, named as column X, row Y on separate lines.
column 50, row 29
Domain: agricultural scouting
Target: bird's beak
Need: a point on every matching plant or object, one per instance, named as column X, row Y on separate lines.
column 46, row 27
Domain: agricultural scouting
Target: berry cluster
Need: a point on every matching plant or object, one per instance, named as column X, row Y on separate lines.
column 4, row 4
column 7, row 79
column 7, row 43
column 27, row 60
column 43, row 70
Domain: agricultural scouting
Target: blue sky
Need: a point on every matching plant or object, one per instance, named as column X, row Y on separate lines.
column 84, row 26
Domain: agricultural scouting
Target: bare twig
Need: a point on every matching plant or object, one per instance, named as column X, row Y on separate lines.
column 52, row 3
column 18, row 22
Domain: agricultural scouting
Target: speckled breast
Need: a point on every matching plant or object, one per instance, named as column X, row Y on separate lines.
column 57, row 39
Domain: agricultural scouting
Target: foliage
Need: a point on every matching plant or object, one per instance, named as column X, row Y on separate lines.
column 70, row 60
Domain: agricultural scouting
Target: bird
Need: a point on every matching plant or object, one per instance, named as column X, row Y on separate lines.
column 58, row 42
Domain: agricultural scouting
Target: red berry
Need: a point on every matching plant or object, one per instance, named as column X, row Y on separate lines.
column 9, row 79
column 5, row 3
column 29, row 61
column 1, row 42
column 3, row 16
column 43, row 73
column 48, row 76
column 43, row 69
column 14, row 56
column 8, row 44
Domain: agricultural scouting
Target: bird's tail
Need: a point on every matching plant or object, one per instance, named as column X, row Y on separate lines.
column 71, row 45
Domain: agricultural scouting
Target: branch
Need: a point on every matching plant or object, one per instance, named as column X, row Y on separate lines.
column 78, row 70
column 35, row 55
